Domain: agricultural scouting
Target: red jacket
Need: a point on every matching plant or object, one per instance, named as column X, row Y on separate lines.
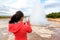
column 20, row 30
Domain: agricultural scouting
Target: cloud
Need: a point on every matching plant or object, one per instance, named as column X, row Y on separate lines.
column 18, row 4
column 51, row 6
column 6, row 2
column 50, row 10
column 11, row 6
column 51, row 1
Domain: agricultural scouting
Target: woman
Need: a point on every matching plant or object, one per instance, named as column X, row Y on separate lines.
column 18, row 27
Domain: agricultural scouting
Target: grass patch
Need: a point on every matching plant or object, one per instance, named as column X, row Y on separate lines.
column 2, row 17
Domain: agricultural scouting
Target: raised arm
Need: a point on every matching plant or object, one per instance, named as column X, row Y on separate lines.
column 28, row 27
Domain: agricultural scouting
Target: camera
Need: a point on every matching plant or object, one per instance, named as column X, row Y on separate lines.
column 26, row 19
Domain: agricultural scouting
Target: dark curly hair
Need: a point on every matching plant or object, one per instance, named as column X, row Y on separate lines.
column 16, row 17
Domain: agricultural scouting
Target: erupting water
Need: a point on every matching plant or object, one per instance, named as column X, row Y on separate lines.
column 37, row 13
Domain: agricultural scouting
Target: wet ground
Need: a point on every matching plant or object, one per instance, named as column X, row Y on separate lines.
column 39, row 32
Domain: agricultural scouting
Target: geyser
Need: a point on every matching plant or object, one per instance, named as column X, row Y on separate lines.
column 38, row 15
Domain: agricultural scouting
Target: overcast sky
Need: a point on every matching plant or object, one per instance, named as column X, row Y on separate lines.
column 9, row 7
